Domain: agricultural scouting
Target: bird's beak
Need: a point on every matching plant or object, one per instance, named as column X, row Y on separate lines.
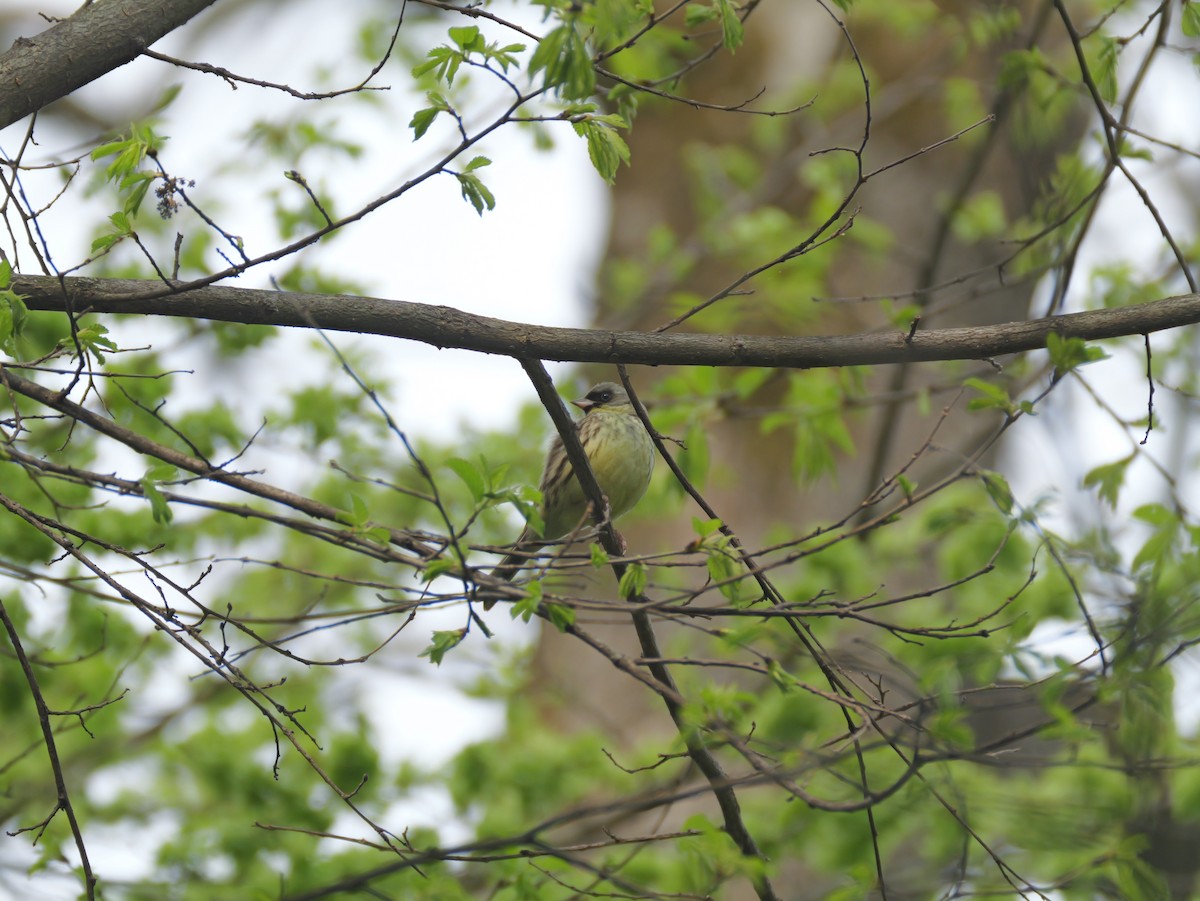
column 584, row 404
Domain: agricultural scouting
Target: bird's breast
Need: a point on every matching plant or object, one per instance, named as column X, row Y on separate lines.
column 623, row 460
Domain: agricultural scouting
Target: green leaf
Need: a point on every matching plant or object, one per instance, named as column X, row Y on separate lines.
column 477, row 163
column 93, row 339
column 1191, row 19
column 504, row 56
column 633, row 581
column 606, row 148
column 7, row 331
column 563, row 57
column 135, row 185
column 723, row 569
column 437, row 568
column 167, row 97
column 732, row 32
column 1132, row 151
column 599, row 556
column 1070, row 353
column 162, row 472
column 104, row 242
column 1164, row 529
column 121, row 222
column 470, row 475
column 998, row 490
column 696, row 15
column 1108, row 479
column 783, row 680
column 1156, row 515
column 476, row 192
column 443, row 642
column 1104, row 70
column 13, row 314
column 528, row 606
column 160, row 510
column 1138, row 880
column 121, row 228
column 992, row 396
column 562, row 616
column 359, row 514
column 421, row 120
column 379, row 534
column 128, row 153
column 443, row 62
column 467, row 37
column 527, row 500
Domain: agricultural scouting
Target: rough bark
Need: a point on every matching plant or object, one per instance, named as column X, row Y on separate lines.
column 443, row 326
column 94, row 40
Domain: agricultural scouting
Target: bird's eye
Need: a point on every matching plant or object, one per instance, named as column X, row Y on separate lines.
column 605, row 397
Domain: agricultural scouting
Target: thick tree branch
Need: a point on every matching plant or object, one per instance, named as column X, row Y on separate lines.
column 447, row 327
column 96, row 39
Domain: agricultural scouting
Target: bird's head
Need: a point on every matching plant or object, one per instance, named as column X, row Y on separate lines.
column 606, row 395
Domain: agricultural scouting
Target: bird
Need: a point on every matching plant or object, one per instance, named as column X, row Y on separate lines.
column 621, row 455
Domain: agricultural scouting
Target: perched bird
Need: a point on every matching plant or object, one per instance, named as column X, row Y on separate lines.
column 621, row 454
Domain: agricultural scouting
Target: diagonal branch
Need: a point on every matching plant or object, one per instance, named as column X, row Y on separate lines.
column 701, row 755
column 44, row 713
